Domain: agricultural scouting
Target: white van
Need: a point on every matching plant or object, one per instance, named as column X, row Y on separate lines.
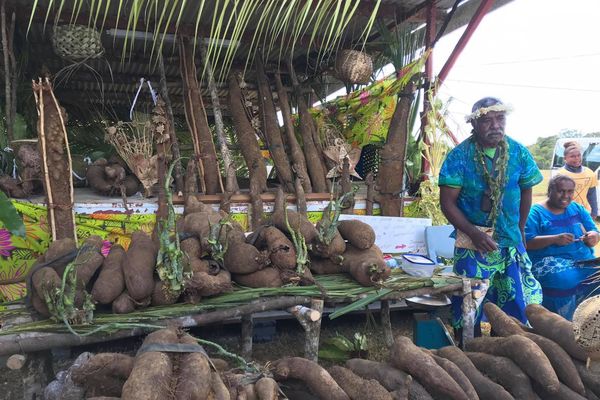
column 590, row 156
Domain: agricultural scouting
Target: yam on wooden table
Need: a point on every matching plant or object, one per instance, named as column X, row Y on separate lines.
column 110, row 283
column 194, row 379
column 359, row 234
column 138, row 266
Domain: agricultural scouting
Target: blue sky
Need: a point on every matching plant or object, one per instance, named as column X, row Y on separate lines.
column 540, row 56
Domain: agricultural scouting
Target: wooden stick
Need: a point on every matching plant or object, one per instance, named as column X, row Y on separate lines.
column 246, row 336
column 370, row 193
column 305, row 313
column 386, row 323
column 16, row 361
column 313, row 332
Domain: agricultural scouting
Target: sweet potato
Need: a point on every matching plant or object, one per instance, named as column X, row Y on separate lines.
column 367, row 267
column 503, row 325
column 524, row 352
column 312, row 374
column 244, row 258
column 123, row 304
column 486, row 388
column 138, row 266
column 459, row 376
column 152, row 372
column 357, row 233
column 297, row 221
column 194, row 378
column 322, row 266
column 281, row 250
column 110, row 283
column 161, row 295
column 266, row 389
column 555, row 327
column 57, row 251
column 406, row 356
column 356, row 387
column 266, row 277
column 505, row 372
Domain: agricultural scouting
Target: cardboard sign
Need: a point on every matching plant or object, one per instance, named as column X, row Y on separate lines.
column 396, row 234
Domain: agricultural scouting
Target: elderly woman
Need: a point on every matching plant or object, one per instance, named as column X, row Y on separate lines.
column 559, row 232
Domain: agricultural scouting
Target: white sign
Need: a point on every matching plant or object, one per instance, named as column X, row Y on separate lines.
column 396, row 234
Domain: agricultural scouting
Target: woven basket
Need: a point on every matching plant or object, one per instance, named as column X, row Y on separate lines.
column 77, row 42
column 586, row 326
column 353, row 66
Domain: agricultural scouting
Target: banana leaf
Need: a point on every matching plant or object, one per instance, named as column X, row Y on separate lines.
column 9, row 216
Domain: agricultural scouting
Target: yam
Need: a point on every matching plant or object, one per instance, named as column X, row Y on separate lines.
column 590, row 395
column 367, row 267
column 201, row 265
column 161, row 295
column 281, row 250
column 199, row 225
column 138, row 266
column 357, row 233
column 205, row 284
column 356, row 387
column 503, row 325
column 123, row 304
column 266, row 277
column 406, row 356
column 98, row 385
column 524, row 352
column 335, row 247
column 244, row 258
column 194, row 380
column 45, row 280
column 114, row 365
column 110, row 283
column 486, row 388
column 193, row 205
column 219, row 364
column 152, row 372
column 323, row 266
column 88, row 260
column 590, row 378
column 218, row 388
column 56, row 253
column 297, row 221
column 555, row 327
column 191, row 248
column 40, row 305
column 505, row 372
column 563, row 393
column 458, row 376
column 318, row 380
column 266, row 389
column 97, row 179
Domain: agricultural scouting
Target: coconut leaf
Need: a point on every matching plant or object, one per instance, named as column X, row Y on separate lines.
column 9, row 216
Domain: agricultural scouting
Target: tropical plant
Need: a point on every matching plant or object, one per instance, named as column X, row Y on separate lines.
column 273, row 25
column 339, row 348
column 9, row 217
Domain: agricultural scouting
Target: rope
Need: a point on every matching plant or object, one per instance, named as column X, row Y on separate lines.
column 137, row 93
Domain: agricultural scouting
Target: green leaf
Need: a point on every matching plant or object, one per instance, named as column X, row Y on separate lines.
column 340, row 342
column 10, row 217
column 333, row 354
column 359, row 304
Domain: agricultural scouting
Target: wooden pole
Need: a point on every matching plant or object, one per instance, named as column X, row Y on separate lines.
column 7, row 75
column 313, row 332
column 386, row 323
column 246, row 336
column 370, row 182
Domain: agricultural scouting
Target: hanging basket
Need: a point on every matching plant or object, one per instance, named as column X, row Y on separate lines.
column 76, row 42
column 352, row 66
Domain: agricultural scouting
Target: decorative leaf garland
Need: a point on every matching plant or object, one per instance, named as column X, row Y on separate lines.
column 495, row 179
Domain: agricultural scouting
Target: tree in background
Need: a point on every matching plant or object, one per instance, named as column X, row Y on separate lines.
column 543, row 148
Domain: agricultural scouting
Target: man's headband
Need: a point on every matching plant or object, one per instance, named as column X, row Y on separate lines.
column 499, row 107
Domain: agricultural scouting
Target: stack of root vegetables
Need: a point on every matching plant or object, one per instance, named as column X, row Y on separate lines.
column 215, row 250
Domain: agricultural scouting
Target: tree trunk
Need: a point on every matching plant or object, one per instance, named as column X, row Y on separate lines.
column 271, row 129
column 7, row 75
column 160, row 125
column 246, row 137
column 299, row 163
column 346, row 189
column 174, row 141
column 311, row 153
column 231, row 184
column 195, row 114
column 390, row 179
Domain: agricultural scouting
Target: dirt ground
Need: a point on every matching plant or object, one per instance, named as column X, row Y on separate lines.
column 288, row 340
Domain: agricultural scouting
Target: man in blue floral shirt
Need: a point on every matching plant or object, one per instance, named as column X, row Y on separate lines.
column 486, row 181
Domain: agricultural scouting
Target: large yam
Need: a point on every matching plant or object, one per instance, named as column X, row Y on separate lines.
column 367, row 267
column 219, row 390
column 138, row 266
column 556, row 328
column 486, row 388
column 194, row 379
column 209, row 285
column 406, row 356
column 281, row 250
column 356, row 387
column 266, row 389
column 123, row 304
column 57, row 253
column 324, row 266
column 297, row 222
column 563, row 393
column 590, row 378
column 505, row 372
column 335, row 247
column 318, row 380
column 162, row 295
column 45, row 280
column 40, row 305
column 502, row 324
column 191, row 248
column 243, row 258
column 390, row 378
column 110, row 283
column 454, row 371
column 114, row 365
column 199, row 224
column 524, row 352
column 357, row 233
column 266, row 277
column 152, row 372
column 88, row 260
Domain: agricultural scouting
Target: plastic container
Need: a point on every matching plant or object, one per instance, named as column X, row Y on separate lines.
column 417, row 265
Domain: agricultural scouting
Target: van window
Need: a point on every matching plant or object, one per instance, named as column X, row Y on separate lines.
column 591, row 155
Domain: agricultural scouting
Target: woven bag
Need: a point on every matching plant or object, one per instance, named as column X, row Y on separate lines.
column 463, row 241
column 353, row 66
column 77, row 42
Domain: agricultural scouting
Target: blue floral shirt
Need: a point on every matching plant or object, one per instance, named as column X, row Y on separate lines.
column 460, row 170
column 542, row 222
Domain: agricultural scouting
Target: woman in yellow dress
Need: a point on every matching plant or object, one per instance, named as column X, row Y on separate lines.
column 585, row 179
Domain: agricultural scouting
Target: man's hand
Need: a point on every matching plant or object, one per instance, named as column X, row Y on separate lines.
column 483, row 242
column 564, row 239
column 591, row 238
